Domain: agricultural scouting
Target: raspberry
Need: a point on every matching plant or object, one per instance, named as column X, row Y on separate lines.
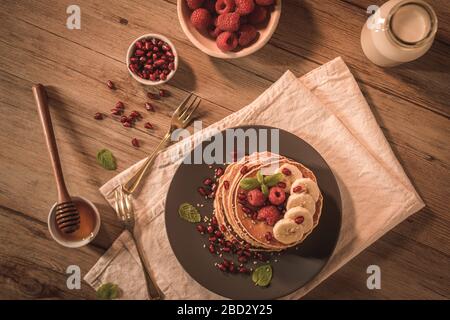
column 228, row 21
column 276, row 196
column 227, row 41
column 258, row 15
column 256, row 198
column 210, row 5
column 214, row 32
column 247, row 33
column 201, row 18
column 270, row 214
column 264, row 2
column 244, row 7
column 224, row 6
column 194, row 4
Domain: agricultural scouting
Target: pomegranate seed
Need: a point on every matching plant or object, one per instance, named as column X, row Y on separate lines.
column 242, row 202
column 242, row 197
column 286, row 172
column 246, row 210
column 228, row 244
column 162, row 93
column 202, row 191
column 135, row 114
column 211, row 248
column 268, row 236
column 119, row 105
column 212, row 239
column 171, row 66
column 218, row 172
column 299, row 220
column 214, row 186
column 223, row 228
column 116, row 112
column 247, row 253
column 200, row 228
column 211, row 195
column 226, row 263
column 298, row 189
column 123, row 119
column 222, row 267
column 98, row 116
column 226, row 185
column 163, row 76
column 281, row 184
column 214, row 221
column 242, row 259
column 210, row 229
column 128, row 124
column 139, row 52
column 149, row 107
column 110, row 84
column 243, row 270
column 218, row 234
column 152, row 96
column 226, row 249
column 135, row 142
column 138, row 45
column 207, row 182
column 148, row 125
column 244, row 170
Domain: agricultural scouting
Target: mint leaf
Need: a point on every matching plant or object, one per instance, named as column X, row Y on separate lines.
column 106, row 159
column 273, row 179
column 262, row 275
column 108, row 291
column 265, row 190
column 260, row 177
column 249, row 183
column 189, row 213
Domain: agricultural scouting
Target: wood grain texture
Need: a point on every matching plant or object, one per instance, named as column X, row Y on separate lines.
column 410, row 102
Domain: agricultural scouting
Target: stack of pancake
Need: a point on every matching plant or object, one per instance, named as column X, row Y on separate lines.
column 289, row 230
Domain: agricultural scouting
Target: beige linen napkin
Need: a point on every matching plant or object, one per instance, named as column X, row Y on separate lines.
column 326, row 109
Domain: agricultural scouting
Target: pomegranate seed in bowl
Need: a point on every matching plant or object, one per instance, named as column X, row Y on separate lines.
column 152, row 59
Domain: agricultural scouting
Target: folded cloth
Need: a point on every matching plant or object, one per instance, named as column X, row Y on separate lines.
column 326, row 109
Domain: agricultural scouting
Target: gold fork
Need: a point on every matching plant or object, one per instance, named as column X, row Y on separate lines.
column 123, row 193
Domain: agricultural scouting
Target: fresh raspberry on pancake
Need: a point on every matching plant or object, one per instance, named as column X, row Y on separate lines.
column 256, row 198
column 270, row 214
column 276, row 196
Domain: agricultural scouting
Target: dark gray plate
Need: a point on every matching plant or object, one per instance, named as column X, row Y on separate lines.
column 294, row 268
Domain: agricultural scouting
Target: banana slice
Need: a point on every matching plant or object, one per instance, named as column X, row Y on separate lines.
column 287, row 231
column 308, row 185
column 301, row 200
column 295, row 174
column 296, row 212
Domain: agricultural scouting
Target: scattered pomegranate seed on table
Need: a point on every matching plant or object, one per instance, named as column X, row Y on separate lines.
column 120, row 105
column 116, row 112
column 110, row 84
column 98, row 116
column 162, row 93
column 149, row 107
column 135, row 142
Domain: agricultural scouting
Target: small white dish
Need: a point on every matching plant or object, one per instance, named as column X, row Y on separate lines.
column 58, row 237
column 131, row 50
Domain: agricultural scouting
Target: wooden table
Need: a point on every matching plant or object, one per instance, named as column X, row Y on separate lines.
column 410, row 102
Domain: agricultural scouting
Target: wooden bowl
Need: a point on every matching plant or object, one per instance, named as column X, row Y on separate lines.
column 208, row 45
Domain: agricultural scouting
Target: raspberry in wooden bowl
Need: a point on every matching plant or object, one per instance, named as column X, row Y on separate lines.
column 229, row 28
column 152, row 59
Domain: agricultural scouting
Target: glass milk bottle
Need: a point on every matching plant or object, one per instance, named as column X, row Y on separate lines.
column 399, row 31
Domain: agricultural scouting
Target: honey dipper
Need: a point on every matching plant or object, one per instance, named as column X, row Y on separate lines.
column 67, row 215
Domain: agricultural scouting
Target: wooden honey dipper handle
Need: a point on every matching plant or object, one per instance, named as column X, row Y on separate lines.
column 40, row 95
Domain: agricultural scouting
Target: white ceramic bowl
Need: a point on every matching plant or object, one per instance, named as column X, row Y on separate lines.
column 208, row 45
column 56, row 234
column 130, row 52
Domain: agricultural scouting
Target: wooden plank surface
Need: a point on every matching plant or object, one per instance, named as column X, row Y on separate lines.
column 410, row 102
